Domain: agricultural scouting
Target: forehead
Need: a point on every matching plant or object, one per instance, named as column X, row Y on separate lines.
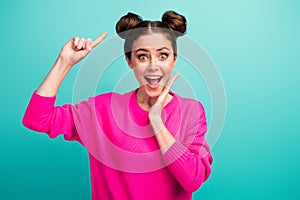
column 152, row 41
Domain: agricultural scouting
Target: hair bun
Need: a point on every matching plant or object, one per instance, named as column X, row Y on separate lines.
column 176, row 22
column 126, row 23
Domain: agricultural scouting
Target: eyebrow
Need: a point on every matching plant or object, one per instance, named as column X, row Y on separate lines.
column 141, row 49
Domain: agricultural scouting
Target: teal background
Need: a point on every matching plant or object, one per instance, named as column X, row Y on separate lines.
column 255, row 45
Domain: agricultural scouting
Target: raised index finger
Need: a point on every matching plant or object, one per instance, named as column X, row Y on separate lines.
column 99, row 39
column 165, row 92
column 169, row 85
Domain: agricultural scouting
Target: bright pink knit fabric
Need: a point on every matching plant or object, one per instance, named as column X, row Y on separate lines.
column 119, row 119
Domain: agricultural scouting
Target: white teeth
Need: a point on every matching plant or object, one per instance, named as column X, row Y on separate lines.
column 153, row 79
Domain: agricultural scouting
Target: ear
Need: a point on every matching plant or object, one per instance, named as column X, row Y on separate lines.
column 129, row 62
column 174, row 61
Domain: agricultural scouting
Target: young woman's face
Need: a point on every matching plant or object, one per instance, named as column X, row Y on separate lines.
column 152, row 60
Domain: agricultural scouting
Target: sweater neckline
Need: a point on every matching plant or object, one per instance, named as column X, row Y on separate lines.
column 140, row 115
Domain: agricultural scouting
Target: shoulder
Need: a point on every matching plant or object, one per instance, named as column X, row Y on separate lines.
column 111, row 96
column 103, row 96
column 192, row 113
column 190, row 104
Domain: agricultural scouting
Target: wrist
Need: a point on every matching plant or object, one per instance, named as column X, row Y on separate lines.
column 63, row 63
column 157, row 125
column 165, row 148
column 155, row 119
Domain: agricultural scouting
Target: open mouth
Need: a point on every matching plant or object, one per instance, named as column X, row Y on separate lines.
column 153, row 80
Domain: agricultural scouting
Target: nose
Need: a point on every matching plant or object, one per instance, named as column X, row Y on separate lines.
column 153, row 64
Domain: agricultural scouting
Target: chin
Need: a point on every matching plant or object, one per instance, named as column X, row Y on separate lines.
column 153, row 92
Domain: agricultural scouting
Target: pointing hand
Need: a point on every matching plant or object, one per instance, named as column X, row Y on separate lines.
column 78, row 48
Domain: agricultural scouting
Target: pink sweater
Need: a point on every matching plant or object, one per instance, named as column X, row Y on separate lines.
column 125, row 159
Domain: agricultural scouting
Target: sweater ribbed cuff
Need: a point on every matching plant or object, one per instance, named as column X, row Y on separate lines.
column 175, row 151
column 40, row 104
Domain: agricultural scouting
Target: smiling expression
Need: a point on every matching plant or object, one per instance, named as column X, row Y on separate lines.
column 152, row 60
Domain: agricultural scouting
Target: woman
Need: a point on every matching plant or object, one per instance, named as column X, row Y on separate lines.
column 164, row 132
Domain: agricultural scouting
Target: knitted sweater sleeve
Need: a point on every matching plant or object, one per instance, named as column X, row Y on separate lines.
column 190, row 162
column 42, row 116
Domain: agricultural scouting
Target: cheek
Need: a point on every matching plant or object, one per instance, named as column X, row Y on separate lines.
column 139, row 74
column 167, row 69
column 170, row 63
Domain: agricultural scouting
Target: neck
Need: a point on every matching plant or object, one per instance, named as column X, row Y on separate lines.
column 147, row 102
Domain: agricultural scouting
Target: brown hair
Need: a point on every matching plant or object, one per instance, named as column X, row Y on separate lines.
column 131, row 26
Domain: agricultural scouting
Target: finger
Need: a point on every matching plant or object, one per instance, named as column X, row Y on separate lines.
column 76, row 40
column 80, row 43
column 87, row 44
column 166, row 90
column 169, row 85
column 99, row 39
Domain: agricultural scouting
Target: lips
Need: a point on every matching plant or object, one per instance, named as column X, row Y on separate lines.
column 153, row 80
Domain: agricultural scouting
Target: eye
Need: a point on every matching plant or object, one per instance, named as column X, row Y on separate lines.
column 163, row 55
column 142, row 57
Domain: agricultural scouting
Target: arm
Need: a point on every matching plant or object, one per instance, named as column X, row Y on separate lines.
column 41, row 114
column 72, row 52
column 189, row 160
